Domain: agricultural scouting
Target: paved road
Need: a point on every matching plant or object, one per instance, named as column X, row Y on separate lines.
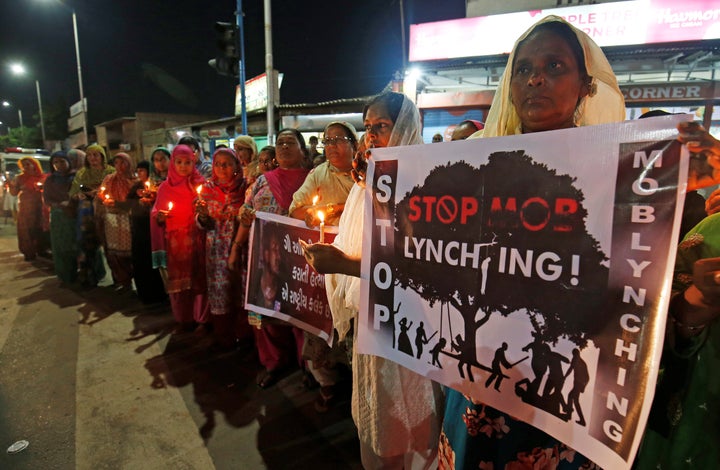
column 93, row 380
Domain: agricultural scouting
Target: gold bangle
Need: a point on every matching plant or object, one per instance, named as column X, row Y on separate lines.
column 688, row 327
column 676, row 302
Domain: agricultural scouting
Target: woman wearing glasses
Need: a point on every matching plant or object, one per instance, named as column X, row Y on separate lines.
column 330, row 182
column 266, row 159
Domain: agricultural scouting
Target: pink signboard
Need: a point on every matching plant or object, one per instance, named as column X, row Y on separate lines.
column 609, row 24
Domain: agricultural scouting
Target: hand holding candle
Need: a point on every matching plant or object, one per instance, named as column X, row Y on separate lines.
column 321, row 216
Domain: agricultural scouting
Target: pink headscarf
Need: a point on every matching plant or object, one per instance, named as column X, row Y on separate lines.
column 284, row 182
column 174, row 179
column 180, row 190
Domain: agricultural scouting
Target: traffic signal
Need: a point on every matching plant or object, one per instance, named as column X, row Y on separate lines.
column 227, row 62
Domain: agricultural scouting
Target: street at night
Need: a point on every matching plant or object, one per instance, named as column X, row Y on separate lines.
column 94, row 379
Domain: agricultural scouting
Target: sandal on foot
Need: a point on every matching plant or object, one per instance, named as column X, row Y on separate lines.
column 325, row 398
column 267, row 378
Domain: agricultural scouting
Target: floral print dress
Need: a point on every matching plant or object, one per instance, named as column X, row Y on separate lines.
column 477, row 436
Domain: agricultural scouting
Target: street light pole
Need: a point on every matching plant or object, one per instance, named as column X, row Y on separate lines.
column 80, row 83
column 42, row 120
column 269, row 73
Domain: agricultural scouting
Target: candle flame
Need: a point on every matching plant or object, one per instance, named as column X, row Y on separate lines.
column 147, row 184
column 199, row 189
column 102, row 188
column 315, row 199
column 170, row 204
column 107, row 196
column 321, row 216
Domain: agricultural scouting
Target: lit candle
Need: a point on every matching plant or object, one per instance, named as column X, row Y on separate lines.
column 107, row 196
column 199, row 190
column 315, row 199
column 147, row 185
column 321, row 216
column 170, row 204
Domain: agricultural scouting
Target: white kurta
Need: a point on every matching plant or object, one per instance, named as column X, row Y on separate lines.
column 395, row 410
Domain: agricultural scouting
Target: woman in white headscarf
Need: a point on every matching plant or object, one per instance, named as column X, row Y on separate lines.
column 556, row 78
column 397, row 412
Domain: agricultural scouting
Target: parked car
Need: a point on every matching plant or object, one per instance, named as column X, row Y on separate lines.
column 10, row 157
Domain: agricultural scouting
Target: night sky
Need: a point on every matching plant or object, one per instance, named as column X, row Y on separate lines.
column 151, row 55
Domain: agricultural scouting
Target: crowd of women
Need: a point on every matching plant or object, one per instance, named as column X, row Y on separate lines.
column 180, row 228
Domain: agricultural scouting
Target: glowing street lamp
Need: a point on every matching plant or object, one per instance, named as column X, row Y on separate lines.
column 19, row 69
column 6, row 104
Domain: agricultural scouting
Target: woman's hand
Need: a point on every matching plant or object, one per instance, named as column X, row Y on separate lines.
column 705, row 158
column 328, row 259
column 311, row 218
column 699, row 305
column 247, row 216
column 359, row 164
column 712, row 204
column 147, row 198
column 234, row 258
column 161, row 217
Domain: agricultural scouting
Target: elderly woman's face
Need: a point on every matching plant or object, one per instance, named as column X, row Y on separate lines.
column 546, row 84
column 339, row 148
column 288, row 152
column 94, row 159
column 224, row 167
column 243, row 153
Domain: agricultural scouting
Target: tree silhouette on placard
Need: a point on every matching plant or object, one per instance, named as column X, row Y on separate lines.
column 547, row 217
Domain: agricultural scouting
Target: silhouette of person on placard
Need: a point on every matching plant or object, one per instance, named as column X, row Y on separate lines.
column 421, row 339
column 435, row 352
column 458, row 345
column 539, row 363
column 404, row 344
column 581, row 377
column 499, row 361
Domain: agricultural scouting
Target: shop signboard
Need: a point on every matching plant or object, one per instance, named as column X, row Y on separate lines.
column 256, row 93
column 609, row 24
